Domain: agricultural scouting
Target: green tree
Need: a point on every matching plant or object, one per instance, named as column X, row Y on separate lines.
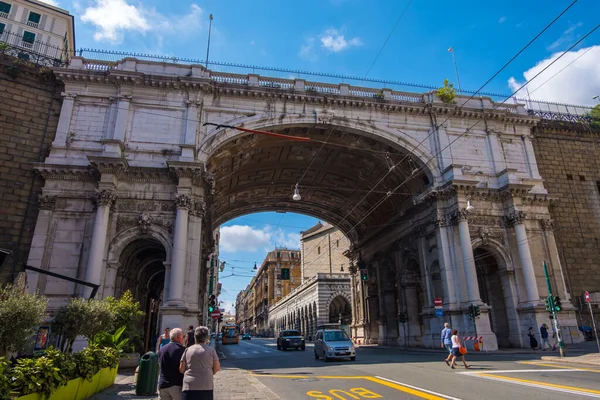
column 446, row 93
column 127, row 314
column 595, row 117
column 21, row 314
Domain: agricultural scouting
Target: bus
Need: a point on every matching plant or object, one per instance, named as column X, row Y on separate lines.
column 230, row 334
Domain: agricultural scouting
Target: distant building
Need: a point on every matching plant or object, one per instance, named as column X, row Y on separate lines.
column 37, row 26
column 323, row 248
column 270, row 284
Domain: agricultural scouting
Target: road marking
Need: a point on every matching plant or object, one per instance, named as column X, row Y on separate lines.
column 541, row 385
column 552, row 364
column 310, row 376
column 417, row 391
column 515, row 371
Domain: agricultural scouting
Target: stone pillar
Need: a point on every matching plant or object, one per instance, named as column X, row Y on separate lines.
column 167, row 280
column 188, row 148
column 40, row 246
column 466, row 248
column 110, row 279
column 381, row 320
column 446, row 269
column 113, row 146
column 177, row 276
column 425, row 273
column 93, row 273
column 517, row 219
column 64, row 122
column 560, row 285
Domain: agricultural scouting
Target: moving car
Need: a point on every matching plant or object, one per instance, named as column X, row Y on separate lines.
column 290, row 339
column 334, row 343
column 246, row 336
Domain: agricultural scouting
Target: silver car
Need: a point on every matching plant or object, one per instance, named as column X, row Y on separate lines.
column 332, row 344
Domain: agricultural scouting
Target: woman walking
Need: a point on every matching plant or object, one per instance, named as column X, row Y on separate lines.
column 198, row 365
column 456, row 346
column 163, row 339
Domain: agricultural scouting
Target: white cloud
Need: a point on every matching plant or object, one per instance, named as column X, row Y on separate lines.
column 307, row 51
column 243, row 238
column 576, row 84
column 334, row 41
column 113, row 18
column 567, row 37
column 502, row 20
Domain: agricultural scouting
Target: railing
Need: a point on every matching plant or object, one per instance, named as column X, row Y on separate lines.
column 32, row 24
column 35, row 52
column 320, row 87
column 3, row 15
column 229, row 78
column 407, row 97
column 275, row 83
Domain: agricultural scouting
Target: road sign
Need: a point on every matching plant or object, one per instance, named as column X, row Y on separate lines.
column 439, row 312
column 216, row 314
column 438, row 302
column 587, row 296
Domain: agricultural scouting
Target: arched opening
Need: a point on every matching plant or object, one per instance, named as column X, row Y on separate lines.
column 413, row 298
column 142, row 271
column 492, row 293
column 340, row 311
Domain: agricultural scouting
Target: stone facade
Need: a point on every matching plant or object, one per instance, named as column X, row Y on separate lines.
column 31, row 101
column 150, row 158
column 323, row 248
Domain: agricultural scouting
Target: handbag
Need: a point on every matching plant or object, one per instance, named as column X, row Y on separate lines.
column 462, row 350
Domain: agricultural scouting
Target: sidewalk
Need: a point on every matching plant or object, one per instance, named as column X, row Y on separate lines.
column 588, row 359
column 230, row 384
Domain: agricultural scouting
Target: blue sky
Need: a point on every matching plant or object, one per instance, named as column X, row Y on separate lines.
column 345, row 37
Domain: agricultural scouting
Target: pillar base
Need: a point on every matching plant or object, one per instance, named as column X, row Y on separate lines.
column 173, row 317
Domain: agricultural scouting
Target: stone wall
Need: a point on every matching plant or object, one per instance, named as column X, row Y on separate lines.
column 568, row 157
column 29, row 112
column 323, row 252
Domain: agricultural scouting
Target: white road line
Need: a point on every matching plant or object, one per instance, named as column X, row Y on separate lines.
column 541, row 386
column 515, row 371
column 418, row 388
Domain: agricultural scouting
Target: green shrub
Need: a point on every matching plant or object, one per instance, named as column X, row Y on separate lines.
column 5, row 379
column 127, row 314
column 446, row 93
column 21, row 314
column 42, row 374
column 112, row 341
column 86, row 365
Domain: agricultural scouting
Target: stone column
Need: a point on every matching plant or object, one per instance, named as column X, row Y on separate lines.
column 177, row 276
column 110, row 279
column 441, row 238
column 39, row 256
column 167, row 280
column 352, row 269
column 113, row 146
column 424, row 264
column 188, row 148
column 555, row 264
column 473, row 296
column 517, row 219
column 93, row 273
column 64, row 122
column 381, row 320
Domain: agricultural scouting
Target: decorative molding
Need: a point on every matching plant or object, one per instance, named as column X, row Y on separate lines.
column 144, row 221
column 325, row 117
column 183, row 201
column 46, row 202
column 191, row 170
column 109, row 165
column 105, row 198
column 198, row 208
column 439, row 220
column 547, row 225
column 459, row 216
column 53, row 172
column 515, row 218
column 484, row 234
column 144, row 205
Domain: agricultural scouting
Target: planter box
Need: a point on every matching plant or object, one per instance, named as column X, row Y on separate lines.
column 32, row 396
column 130, row 360
column 68, row 391
column 87, row 388
column 107, row 378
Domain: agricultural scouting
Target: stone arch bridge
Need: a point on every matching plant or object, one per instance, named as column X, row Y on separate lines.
column 136, row 187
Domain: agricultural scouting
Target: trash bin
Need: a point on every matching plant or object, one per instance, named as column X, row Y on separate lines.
column 147, row 380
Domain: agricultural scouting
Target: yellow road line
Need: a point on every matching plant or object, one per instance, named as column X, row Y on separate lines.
column 406, row 389
column 538, row 383
column 542, row 364
column 309, row 376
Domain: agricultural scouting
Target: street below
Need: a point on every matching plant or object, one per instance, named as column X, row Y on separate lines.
column 396, row 374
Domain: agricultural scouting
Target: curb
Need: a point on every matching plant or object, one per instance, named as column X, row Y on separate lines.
column 435, row 351
column 567, row 360
column 263, row 389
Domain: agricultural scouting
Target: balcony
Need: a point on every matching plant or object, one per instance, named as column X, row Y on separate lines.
column 26, row 44
column 3, row 15
column 33, row 24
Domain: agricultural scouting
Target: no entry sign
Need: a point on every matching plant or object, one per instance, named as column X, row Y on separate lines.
column 216, row 314
column 587, row 296
column 438, row 302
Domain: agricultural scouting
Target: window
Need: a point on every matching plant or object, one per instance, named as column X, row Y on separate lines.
column 4, row 9
column 319, row 250
column 337, row 243
column 278, row 254
column 34, row 19
column 2, row 26
column 28, row 37
column 292, row 255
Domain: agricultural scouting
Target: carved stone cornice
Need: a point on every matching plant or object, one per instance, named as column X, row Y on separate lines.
column 459, row 216
column 515, row 218
column 148, row 175
column 57, row 172
column 46, row 202
column 109, row 165
column 440, row 220
column 547, row 225
column 191, row 170
column 104, row 198
column 198, row 208
column 183, row 201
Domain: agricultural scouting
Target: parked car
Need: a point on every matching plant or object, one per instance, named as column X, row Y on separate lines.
column 246, row 336
column 290, row 339
column 334, row 344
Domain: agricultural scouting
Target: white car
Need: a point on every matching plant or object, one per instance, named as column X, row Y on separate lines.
column 334, row 344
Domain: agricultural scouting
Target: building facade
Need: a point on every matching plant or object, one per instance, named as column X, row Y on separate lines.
column 145, row 166
column 37, row 26
column 323, row 248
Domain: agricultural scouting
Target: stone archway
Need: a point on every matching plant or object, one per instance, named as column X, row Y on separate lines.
column 340, row 310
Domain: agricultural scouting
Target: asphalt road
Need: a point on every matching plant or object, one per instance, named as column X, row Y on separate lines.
column 397, row 374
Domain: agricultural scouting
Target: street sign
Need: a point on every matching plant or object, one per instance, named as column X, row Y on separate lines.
column 439, row 312
column 438, row 302
column 216, row 314
column 587, row 296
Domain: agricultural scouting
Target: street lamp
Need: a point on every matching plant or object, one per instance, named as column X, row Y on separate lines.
column 596, row 98
column 451, row 50
column 296, row 196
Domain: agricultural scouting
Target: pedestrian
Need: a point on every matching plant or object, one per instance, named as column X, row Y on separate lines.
column 456, row 350
column 544, row 336
column 189, row 337
column 170, row 380
column 163, row 339
column 554, row 338
column 198, row 364
column 447, row 341
column 532, row 341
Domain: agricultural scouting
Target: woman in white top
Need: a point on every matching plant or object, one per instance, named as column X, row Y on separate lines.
column 456, row 344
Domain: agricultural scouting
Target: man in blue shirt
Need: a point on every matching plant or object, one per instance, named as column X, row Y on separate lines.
column 447, row 341
column 170, row 380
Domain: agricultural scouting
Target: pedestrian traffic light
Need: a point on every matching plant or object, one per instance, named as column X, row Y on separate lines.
column 364, row 274
column 472, row 311
column 476, row 311
column 557, row 304
column 547, row 304
column 212, row 303
column 285, row 273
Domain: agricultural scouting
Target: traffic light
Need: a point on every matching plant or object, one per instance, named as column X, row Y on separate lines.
column 476, row 311
column 212, row 303
column 472, row 311
column 557, row 304
column 221, row 318
column 547, row 304
column 364, row 274
column 402, row 317
column 285, row 273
